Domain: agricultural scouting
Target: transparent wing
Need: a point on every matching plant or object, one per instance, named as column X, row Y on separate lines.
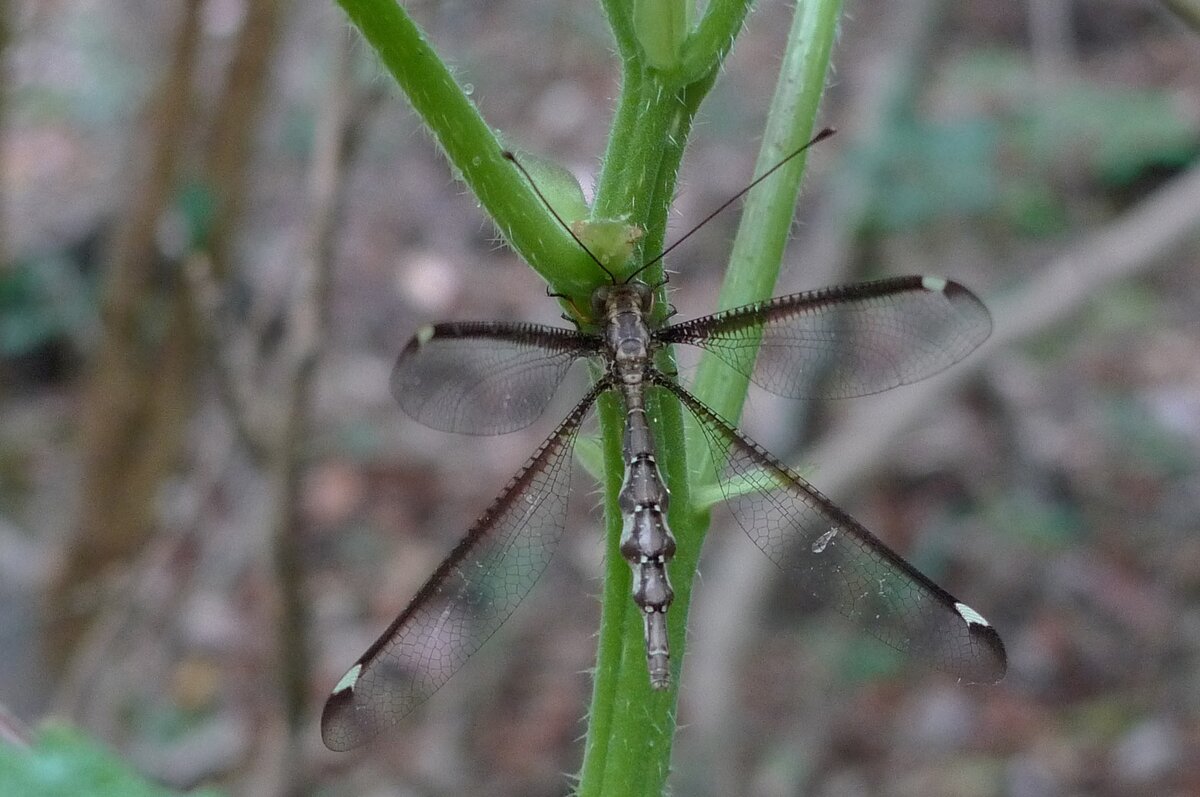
column 860, row 339
column 484, row 378
column 845, row 565
column 465, row 601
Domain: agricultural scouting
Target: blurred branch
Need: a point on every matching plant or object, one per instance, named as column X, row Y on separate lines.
column 1186, row 10
column 147, row 591
column 231, row 136
column 272, row 416
column 120, row 657
column 13, row 732
column 1130, row 244
column 141, row 395
column 231, row 373
column 5, row 82
column 140, row 386
column 136, row 397
column 309, row 321
column 1052, row 42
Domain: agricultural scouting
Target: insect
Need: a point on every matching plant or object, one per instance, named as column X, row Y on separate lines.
column 493, row 377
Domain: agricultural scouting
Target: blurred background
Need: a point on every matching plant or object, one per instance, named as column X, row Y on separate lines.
column 221, row 223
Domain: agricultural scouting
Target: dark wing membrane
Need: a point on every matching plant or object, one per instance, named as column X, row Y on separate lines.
column 484, row 378
column 464, row 602
column 844, row 564
column 851, row 340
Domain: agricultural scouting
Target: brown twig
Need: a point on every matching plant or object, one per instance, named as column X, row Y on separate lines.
column 231, row 372
column 338, row 134
column 138, row 383
column 230, row 143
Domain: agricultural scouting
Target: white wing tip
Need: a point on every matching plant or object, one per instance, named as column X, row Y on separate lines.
column 970, row 615
column 349, row 680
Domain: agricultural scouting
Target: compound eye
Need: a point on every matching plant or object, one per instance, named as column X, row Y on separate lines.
column 645, row 296
column 600, row 302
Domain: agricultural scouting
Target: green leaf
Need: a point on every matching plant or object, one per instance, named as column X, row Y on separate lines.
column 65, row 763
column 590, row 456
column 557, row 184
column 661, row 27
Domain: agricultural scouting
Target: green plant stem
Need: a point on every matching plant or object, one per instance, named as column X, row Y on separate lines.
column 620, row 21
column 472, row 146
column 631, row 727
column 626, row 717
column 713, row 37
column 767, row 214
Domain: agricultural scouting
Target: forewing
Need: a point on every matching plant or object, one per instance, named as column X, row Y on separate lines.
column 858, row 339
column 464, row 602
column 844, row 565
column 484, row 378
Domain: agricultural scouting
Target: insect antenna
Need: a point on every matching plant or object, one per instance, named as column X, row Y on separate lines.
column 821, row 136
column 509, row 156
